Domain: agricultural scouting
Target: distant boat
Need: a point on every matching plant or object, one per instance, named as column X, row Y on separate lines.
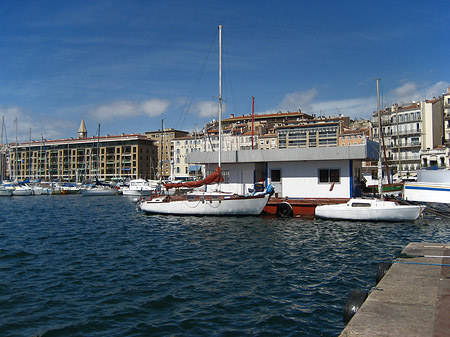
column 98, row 190
column 432, row 186
column 208, row 203
column 371, row 209
column 5, row 191
column 139, row 187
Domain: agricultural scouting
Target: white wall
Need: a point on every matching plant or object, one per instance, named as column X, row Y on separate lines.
column 301, row 179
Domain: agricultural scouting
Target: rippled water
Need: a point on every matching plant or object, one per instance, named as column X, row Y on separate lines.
column 93, row 266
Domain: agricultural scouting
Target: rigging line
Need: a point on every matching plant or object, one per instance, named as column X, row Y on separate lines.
column 195, row 85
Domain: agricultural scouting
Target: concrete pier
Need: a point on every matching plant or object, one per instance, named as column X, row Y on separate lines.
column 412, row 299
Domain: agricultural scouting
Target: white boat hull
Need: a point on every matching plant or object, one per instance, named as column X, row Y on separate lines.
column 21, row 191
column 98, row 191
column 136, row 193
column 369, row 210
column 5, row 192
column 229, row 205
column 427, row 192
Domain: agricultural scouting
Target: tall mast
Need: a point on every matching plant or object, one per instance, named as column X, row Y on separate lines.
column 1, row 153
column 98, row 155
column 253, row 117
column 16, row 156
column 29, row 157
column 220, row 94
column 380, row 172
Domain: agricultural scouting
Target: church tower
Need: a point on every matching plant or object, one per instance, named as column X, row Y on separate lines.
column 82, row 132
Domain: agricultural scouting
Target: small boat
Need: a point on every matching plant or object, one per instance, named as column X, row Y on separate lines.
column 5, row 191
column 206, row 203
column 98, row 190
column 139, row 187
column 369, row 209
column 22, row 190
column 432, row 186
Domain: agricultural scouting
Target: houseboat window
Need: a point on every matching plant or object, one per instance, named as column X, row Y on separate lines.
column 329, row 176
column 226, row 176
column 275, row 175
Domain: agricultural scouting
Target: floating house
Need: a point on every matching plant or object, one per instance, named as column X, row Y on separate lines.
column 325, row 173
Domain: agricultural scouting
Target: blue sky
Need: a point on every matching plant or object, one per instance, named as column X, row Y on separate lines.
column 128, row 65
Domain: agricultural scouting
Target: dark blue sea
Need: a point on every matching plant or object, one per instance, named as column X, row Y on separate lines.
column 94, row 266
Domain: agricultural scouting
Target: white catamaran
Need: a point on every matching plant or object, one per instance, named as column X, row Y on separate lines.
column 208, row 203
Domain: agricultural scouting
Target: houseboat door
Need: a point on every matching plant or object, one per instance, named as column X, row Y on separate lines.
column 275, row 180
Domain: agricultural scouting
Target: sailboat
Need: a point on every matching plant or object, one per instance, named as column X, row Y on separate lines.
column 371, row 209
column 98, row 189
column 205, row 202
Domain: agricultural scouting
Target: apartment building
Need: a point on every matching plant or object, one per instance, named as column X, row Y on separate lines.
column 86, row 158
column 183, row 146
column 165, row 147
column 408, row 130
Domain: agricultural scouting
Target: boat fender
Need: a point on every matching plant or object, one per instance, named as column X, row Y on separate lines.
column 354, row 301
column 382, row 269
column 284, row 210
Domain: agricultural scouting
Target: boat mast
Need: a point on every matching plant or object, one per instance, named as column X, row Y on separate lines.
column 29, row 158
column 1, row 152
column 380, row 172
column 220, row 94
column 40, row 158
column 253, row 117
column 97, row 162
column 17, row 155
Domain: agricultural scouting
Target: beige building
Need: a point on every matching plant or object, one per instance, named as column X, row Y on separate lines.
column 163, row 141
column 407, row 130
column 183, row 146
column 87, row 158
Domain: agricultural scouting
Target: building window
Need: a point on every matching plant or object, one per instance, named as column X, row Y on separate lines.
column 275, row 175
column 329, row 176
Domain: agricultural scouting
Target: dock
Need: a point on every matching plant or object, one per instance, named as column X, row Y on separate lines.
column 412, row 299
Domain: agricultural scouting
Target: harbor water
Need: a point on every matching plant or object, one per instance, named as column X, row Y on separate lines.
column 94, row 266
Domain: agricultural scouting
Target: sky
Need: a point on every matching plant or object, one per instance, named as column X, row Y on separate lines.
column 132, row 66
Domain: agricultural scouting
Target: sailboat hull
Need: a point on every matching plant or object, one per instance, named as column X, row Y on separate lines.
column 228, row 205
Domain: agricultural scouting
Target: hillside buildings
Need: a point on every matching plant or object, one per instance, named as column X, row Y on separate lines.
column 415, row 135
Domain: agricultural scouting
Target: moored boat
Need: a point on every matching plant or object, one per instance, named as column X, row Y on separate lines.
column 99, row 191
column 432, row 186
column 5, row 191
column 139, row 187
column 208, row 203
column 369, row 209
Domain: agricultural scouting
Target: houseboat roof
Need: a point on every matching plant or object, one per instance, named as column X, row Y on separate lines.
column 368, row 151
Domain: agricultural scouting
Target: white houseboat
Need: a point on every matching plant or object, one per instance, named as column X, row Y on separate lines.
column 302, row 177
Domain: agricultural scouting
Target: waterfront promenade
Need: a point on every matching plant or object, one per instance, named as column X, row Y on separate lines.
column 412, row 299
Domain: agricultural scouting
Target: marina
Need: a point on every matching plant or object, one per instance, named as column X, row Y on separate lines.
column 95, row 266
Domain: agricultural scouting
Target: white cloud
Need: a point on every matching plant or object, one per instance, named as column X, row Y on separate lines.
column 359, row 107
column 126, row 109
column 298, row 100
column 208, row 109
column 154, row 107
column 49, row 128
